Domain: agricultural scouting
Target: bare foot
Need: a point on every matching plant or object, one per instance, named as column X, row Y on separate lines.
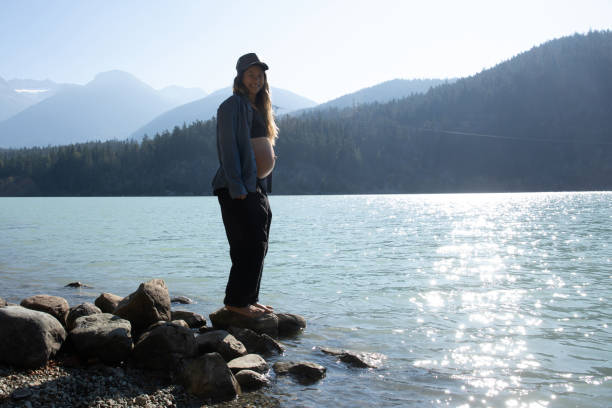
column 248, row 311
column 265, row 308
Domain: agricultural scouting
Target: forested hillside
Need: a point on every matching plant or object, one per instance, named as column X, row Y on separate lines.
column 540, row 121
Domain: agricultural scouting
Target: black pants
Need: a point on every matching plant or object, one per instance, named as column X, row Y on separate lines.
column 247, row 226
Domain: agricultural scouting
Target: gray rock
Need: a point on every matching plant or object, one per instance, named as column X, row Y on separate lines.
column 2, row 302
column 181, row 299
column 181, row 323
column 164, row 346
column 150, row 303
column 251, row 380
column 224, row 319
column 194, row 320
column 290, row 324
column 84, row 309
column 356, row 359
column 221, row 342
column 257, row 343
column 252, row 362
column 304, row 372
column 54, row 305
column 28, row 338
column 103, row 336
column 209, row 377
column 77, row 285
column 107, row 302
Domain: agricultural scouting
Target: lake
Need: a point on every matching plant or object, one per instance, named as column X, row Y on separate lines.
column 476, row 300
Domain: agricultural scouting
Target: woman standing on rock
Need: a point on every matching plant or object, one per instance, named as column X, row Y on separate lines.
column 246, row 132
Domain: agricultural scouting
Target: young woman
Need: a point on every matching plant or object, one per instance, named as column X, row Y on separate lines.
column 246, row 132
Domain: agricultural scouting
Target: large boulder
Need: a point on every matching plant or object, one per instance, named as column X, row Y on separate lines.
column 149, row 304
column 221, row 342
column 102, row 336
column 290, row 324
column 84, row 309
column 194, row 320
column 257, row 343
column 107, row 302
column 224, row 319
column 28, row 338
column 356, row 359
column 209, row 377
column 54, row 305
column 163, row 346
column 251, row 362
column 304, row 372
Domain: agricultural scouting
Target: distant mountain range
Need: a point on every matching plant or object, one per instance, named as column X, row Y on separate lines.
column 116, row 105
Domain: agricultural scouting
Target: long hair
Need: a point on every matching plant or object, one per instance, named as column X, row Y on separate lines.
column 263, row 103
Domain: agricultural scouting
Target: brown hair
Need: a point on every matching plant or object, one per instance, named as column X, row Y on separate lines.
column 263, row 103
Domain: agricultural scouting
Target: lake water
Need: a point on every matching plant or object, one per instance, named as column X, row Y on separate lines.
column 476, row 300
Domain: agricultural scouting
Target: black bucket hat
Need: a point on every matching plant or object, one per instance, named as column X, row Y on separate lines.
column 248, row 60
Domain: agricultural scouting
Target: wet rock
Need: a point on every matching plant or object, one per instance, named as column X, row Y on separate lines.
column 209, row 377
column 181, row 299
column 257, row 343
column 221, row 342
column 102, row 336
column 84, row 309
column 28, row 338
column 2, row 302
column 194, row 320
column 77, row 285
column 224, row 319
column 150, row 303
column 304, row 372
column 356, row 359
column 107, row 302
column 251, row 380
column 54, row 305
column 290, row 324
column 163, row 346
column 252, row 362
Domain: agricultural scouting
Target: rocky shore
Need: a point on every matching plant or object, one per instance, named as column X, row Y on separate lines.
column 138, row 351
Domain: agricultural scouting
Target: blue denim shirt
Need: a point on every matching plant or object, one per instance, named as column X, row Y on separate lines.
column 237, row 169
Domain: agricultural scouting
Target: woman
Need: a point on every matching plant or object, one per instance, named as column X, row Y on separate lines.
column 246, row 132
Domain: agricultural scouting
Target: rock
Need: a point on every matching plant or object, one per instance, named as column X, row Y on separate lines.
column 21, row 393
column 2, row 302
column 181, row 323
column 304, row 372
column 257, row 343
column 54, row 305
column 224, row 319
column 84, row 309
column 221, row 342
column 209, row 377
column 290, row 324
column 103, row 336
column 163, row 346
column 252, row 362
column 28, row 338
column 251, row 380
column 355, row 359
column 107, row 302
column 181, row 299
column 77, row 285
column 194, row 320
column 149, row 304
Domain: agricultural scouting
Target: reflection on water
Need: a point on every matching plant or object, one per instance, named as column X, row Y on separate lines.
column 479, row 300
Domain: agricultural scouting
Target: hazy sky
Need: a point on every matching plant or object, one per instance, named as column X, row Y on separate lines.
column 318, row 49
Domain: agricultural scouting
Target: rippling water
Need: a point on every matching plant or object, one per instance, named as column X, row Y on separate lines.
column 477, row 300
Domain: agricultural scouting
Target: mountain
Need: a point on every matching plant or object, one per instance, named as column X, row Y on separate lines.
column 203, row 109
column 539, row 121
column 110, row 106
column 178, row 95
column 17, row 95
column 385, row 92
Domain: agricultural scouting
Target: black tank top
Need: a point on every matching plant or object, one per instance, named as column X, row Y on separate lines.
column 258, row 127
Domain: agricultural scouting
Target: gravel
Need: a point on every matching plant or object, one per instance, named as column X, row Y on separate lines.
column 59, row 386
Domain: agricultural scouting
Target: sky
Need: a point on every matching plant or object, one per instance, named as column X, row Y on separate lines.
column 315, row 48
